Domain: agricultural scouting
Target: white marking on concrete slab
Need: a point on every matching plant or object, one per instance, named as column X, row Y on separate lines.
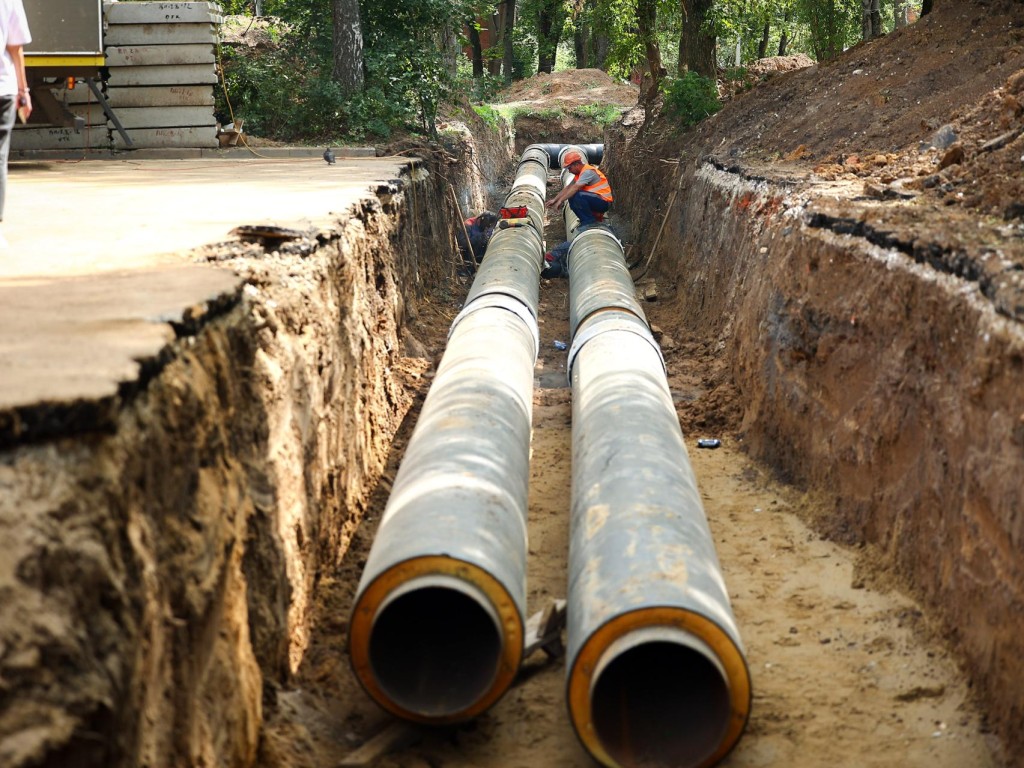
column 161, row 95
column 159, row 34
column 148, row 55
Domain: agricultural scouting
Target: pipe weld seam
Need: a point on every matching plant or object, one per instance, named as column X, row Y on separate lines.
column 610, row 320
column 506, row 302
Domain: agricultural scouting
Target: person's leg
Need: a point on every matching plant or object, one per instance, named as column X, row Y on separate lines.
column 7, row 113
column 586, row 204
column 580, row 203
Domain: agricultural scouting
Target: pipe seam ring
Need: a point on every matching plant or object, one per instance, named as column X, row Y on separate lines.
column 598, row 230
column 616, row 320
column 506, row 302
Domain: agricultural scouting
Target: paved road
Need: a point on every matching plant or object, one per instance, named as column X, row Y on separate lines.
column 95, row 268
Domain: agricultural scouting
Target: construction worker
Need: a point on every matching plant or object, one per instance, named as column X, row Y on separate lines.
column 589, row 194
column 479, row 229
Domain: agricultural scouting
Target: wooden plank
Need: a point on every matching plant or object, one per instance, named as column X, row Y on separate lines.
column 148, row 55
column 161, row 96
column 187, row 74
column 158, row 138
column 159, row 34
column 60, row 138
column 160, row 13
column 544, row 630
column 165, row 117
column 396, row 735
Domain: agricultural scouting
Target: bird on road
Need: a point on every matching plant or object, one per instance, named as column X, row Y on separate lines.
column 329, row 156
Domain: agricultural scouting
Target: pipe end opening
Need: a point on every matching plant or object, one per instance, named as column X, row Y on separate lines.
column 436, row 650
column 661, row 704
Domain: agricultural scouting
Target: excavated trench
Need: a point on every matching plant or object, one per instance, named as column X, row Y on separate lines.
column 179, row 582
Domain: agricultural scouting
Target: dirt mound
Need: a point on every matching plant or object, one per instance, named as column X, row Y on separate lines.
column 887, row 99
column 775, row 64
column 572, row 88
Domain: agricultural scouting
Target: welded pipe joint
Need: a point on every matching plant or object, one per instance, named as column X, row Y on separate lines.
column 607, row 322
column 508, row 303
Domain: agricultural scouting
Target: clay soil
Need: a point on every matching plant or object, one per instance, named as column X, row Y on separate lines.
column 848, row 669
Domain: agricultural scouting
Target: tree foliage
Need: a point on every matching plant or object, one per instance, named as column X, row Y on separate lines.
column 295, row 90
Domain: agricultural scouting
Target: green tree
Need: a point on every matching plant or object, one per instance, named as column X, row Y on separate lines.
column 548, row 18
column 831, row 23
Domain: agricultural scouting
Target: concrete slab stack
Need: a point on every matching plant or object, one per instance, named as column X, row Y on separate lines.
column 162, row 62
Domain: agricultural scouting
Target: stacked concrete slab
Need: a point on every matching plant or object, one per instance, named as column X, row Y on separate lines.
column 162, row 63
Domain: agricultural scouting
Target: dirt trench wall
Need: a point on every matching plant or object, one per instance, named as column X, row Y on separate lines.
column 155, row 581
column 892, row 387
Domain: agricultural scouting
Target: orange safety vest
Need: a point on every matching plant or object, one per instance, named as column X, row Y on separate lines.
column 601, row 186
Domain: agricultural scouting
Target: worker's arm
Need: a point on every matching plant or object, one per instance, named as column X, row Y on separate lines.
column 564, row 195
column 23, row 100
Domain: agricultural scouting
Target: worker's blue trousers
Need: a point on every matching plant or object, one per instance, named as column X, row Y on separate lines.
column 585, row 204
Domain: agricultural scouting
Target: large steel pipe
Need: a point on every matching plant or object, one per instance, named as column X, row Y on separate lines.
column 436, row 634
column 554, row 152
column 656, row 673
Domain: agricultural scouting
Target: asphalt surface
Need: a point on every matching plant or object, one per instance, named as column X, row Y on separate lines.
column 96, row 278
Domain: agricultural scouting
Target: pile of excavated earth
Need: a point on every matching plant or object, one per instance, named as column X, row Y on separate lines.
column 833, row 268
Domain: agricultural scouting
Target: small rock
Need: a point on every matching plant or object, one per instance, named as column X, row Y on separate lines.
column 944, row 138
column 953, row 156
column 1013, row 211
column 651, row 293
column 876, row 191
column 998, row 142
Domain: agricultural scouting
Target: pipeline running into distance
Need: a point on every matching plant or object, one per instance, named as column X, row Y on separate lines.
column 437, row 629
column 656, row 668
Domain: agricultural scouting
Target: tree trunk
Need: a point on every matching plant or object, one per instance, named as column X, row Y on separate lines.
column 926, row 7
column 762, row 47
column 508, row 23
column 700, row 46
column 550, row 18
column 448, row 42
column 681, row 64
column 478, row 51
column 784, row 37
column 493, row 64
column 876, row 18
column 579, row 45
column 899, row 13
column 600, row 49
column 647, row 21
column 348, row 46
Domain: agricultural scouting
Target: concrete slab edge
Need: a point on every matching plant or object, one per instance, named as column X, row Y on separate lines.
column 195, row 153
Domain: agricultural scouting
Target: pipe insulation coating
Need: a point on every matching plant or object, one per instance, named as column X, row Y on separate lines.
column 656, row 668
column 437, row 630
column 603, row 282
